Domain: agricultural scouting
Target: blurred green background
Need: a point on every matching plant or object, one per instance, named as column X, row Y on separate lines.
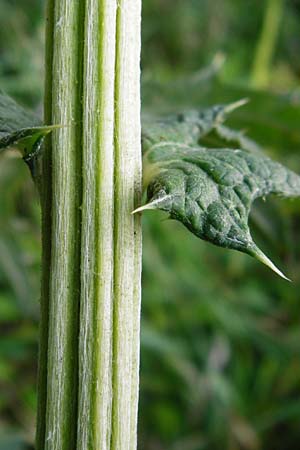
column 220, row 363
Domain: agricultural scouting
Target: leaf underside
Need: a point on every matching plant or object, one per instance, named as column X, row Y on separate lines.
column 210, row 190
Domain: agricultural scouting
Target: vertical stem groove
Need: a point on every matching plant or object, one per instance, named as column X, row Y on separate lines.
column 46, row 238
column 94, row 430
column 63, row 99
column 89, row 342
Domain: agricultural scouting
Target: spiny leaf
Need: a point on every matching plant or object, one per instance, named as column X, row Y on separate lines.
column 24, row 139
column 209, row 190
column 236, row 137
column 273, row 119
column 20, row 129
column 13, row 117
column 186, row 127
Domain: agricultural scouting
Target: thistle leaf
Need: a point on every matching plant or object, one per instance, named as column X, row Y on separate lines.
column 236, row 137
column 209, row 190
column 13, row 117
column 20, row 129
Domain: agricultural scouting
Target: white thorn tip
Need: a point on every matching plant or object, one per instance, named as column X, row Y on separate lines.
column 143, row 208
column 155, row 204
column 265, row 260
column 232, row 106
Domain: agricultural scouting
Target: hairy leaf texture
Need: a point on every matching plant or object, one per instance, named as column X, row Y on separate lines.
column 209, row 190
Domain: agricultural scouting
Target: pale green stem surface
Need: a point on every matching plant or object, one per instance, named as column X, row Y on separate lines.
column 63, row 92
column 89, row 344
column 127, row 228
column 97, row 257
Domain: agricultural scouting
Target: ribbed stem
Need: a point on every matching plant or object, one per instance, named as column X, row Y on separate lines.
column 127, row 227
column 62, row 195
column 95, row 370
column 89, row 350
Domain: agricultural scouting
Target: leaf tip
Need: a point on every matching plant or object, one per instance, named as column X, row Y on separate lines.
column 154, row 204
column 232, row 106
column 142, row 208
column 260, row 256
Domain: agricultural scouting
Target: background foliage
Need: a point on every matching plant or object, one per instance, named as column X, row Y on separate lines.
column 220, row 340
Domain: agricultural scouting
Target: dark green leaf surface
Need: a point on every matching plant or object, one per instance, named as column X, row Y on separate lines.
column 13, row 117
column 20, row 129
column 209, row 190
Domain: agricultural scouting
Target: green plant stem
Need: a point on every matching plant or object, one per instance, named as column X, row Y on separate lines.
column 63, row 90
column 45, row 195
column 266, row 45
column 97, row 257
column 89, row 348
column 127, row 227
